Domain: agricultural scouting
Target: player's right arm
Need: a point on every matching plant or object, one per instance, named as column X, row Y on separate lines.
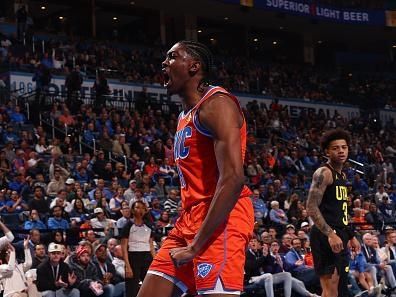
column 321, row 179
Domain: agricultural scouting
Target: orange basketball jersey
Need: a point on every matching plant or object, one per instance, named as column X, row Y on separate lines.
column 195, row 157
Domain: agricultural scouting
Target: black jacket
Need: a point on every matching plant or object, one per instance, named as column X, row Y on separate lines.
column 45, row 276
column 109, row 268
column 254, row 261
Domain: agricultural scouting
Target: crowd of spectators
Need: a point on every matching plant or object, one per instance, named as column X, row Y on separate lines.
column 48, row 185
column 239, row 74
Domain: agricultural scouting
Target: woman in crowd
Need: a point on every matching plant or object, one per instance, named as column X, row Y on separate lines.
column 138, row 248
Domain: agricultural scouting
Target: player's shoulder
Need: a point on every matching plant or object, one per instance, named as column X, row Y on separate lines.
column 323, row 173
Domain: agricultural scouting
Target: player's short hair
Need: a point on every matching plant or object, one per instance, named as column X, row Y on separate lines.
column 202, row 53
column 334, row 134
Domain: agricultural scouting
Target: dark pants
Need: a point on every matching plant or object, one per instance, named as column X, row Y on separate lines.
column 140, row 263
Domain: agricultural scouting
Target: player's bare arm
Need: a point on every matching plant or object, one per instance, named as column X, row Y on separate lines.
column 221, row 116
column 320, row 180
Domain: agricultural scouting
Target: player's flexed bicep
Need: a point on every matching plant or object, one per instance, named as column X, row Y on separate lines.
column 321, row 179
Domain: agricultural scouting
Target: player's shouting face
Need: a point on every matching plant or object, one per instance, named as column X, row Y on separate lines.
column 177, row 69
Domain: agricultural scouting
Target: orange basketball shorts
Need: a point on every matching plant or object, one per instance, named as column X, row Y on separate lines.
column 223, row 256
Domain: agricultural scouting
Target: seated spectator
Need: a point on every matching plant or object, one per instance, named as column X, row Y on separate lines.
column 359, row 185
column 297, row 267
column 17, row 184
column 111, row 244
column 126, row 217
column 156, row 209
column 88, row 281
column 277, row 215
column 359, row 269
column 17, row 117
column 54, row 277
column 118, row 262
column 255, row 263
column 151, row 168
column 100, row 221
column 387, row 209
column 279, row 263
column 107, row 273
column 16, row 203
column 41, row 147
column 101, row 186
column 79, row 213
column 171, row 204
column 286, row 244
column 374, row 217
column 260, row 209
column 164, row 220
column 80, row 194
column 66, row 119
column 372, row 258
column 34, row 221
column 129, row 194
column 139, row 197
column 61, row 201
column 57, row 221
column 56, row 184
column 39, row 255
column 115, row 202
column 291, row 230
column 380, row 194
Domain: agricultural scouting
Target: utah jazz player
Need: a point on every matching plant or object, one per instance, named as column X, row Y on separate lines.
column 327, row 206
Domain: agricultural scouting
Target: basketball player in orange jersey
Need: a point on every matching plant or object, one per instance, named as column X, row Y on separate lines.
column 204, row 254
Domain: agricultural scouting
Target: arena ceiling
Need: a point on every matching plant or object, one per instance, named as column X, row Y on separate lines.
column 217, row 14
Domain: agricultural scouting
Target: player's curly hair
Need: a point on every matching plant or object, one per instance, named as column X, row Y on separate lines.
column 334, row 134
column 202, row 53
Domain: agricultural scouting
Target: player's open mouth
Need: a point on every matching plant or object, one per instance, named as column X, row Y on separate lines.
column 167, row 79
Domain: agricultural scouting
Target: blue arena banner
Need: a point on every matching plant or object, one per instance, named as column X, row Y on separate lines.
column 318, row 11
column 315, row 10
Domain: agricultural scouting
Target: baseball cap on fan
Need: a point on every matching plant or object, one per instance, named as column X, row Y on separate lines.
column 55, row 247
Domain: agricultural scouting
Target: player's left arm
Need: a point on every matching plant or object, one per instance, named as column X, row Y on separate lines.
column 221, row 116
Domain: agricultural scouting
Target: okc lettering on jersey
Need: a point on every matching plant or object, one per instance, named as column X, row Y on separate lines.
column 181, row 151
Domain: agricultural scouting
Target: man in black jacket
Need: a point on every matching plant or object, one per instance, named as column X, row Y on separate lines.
column 54, row 277
column 107, row 272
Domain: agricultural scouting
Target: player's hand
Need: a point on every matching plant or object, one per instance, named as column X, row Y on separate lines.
column 335, row 243
column 128, row 272
column 181, row 256
column 355, row 244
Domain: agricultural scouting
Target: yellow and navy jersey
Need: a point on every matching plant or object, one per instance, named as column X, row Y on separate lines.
column 334, row 205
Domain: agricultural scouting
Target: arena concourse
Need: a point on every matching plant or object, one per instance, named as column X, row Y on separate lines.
column 86, row 130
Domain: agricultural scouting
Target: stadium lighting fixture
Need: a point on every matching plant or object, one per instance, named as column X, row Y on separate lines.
column 255, row 40
column 132, row 2
column 226, row 18
column 394, row 46
column 61, row 18
column 320, row 41
column 43, row 7
column 280, row 28
column 212, row 39
column 115, row 18
column 199, row 31
column 350, row 74
column 274, row 42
